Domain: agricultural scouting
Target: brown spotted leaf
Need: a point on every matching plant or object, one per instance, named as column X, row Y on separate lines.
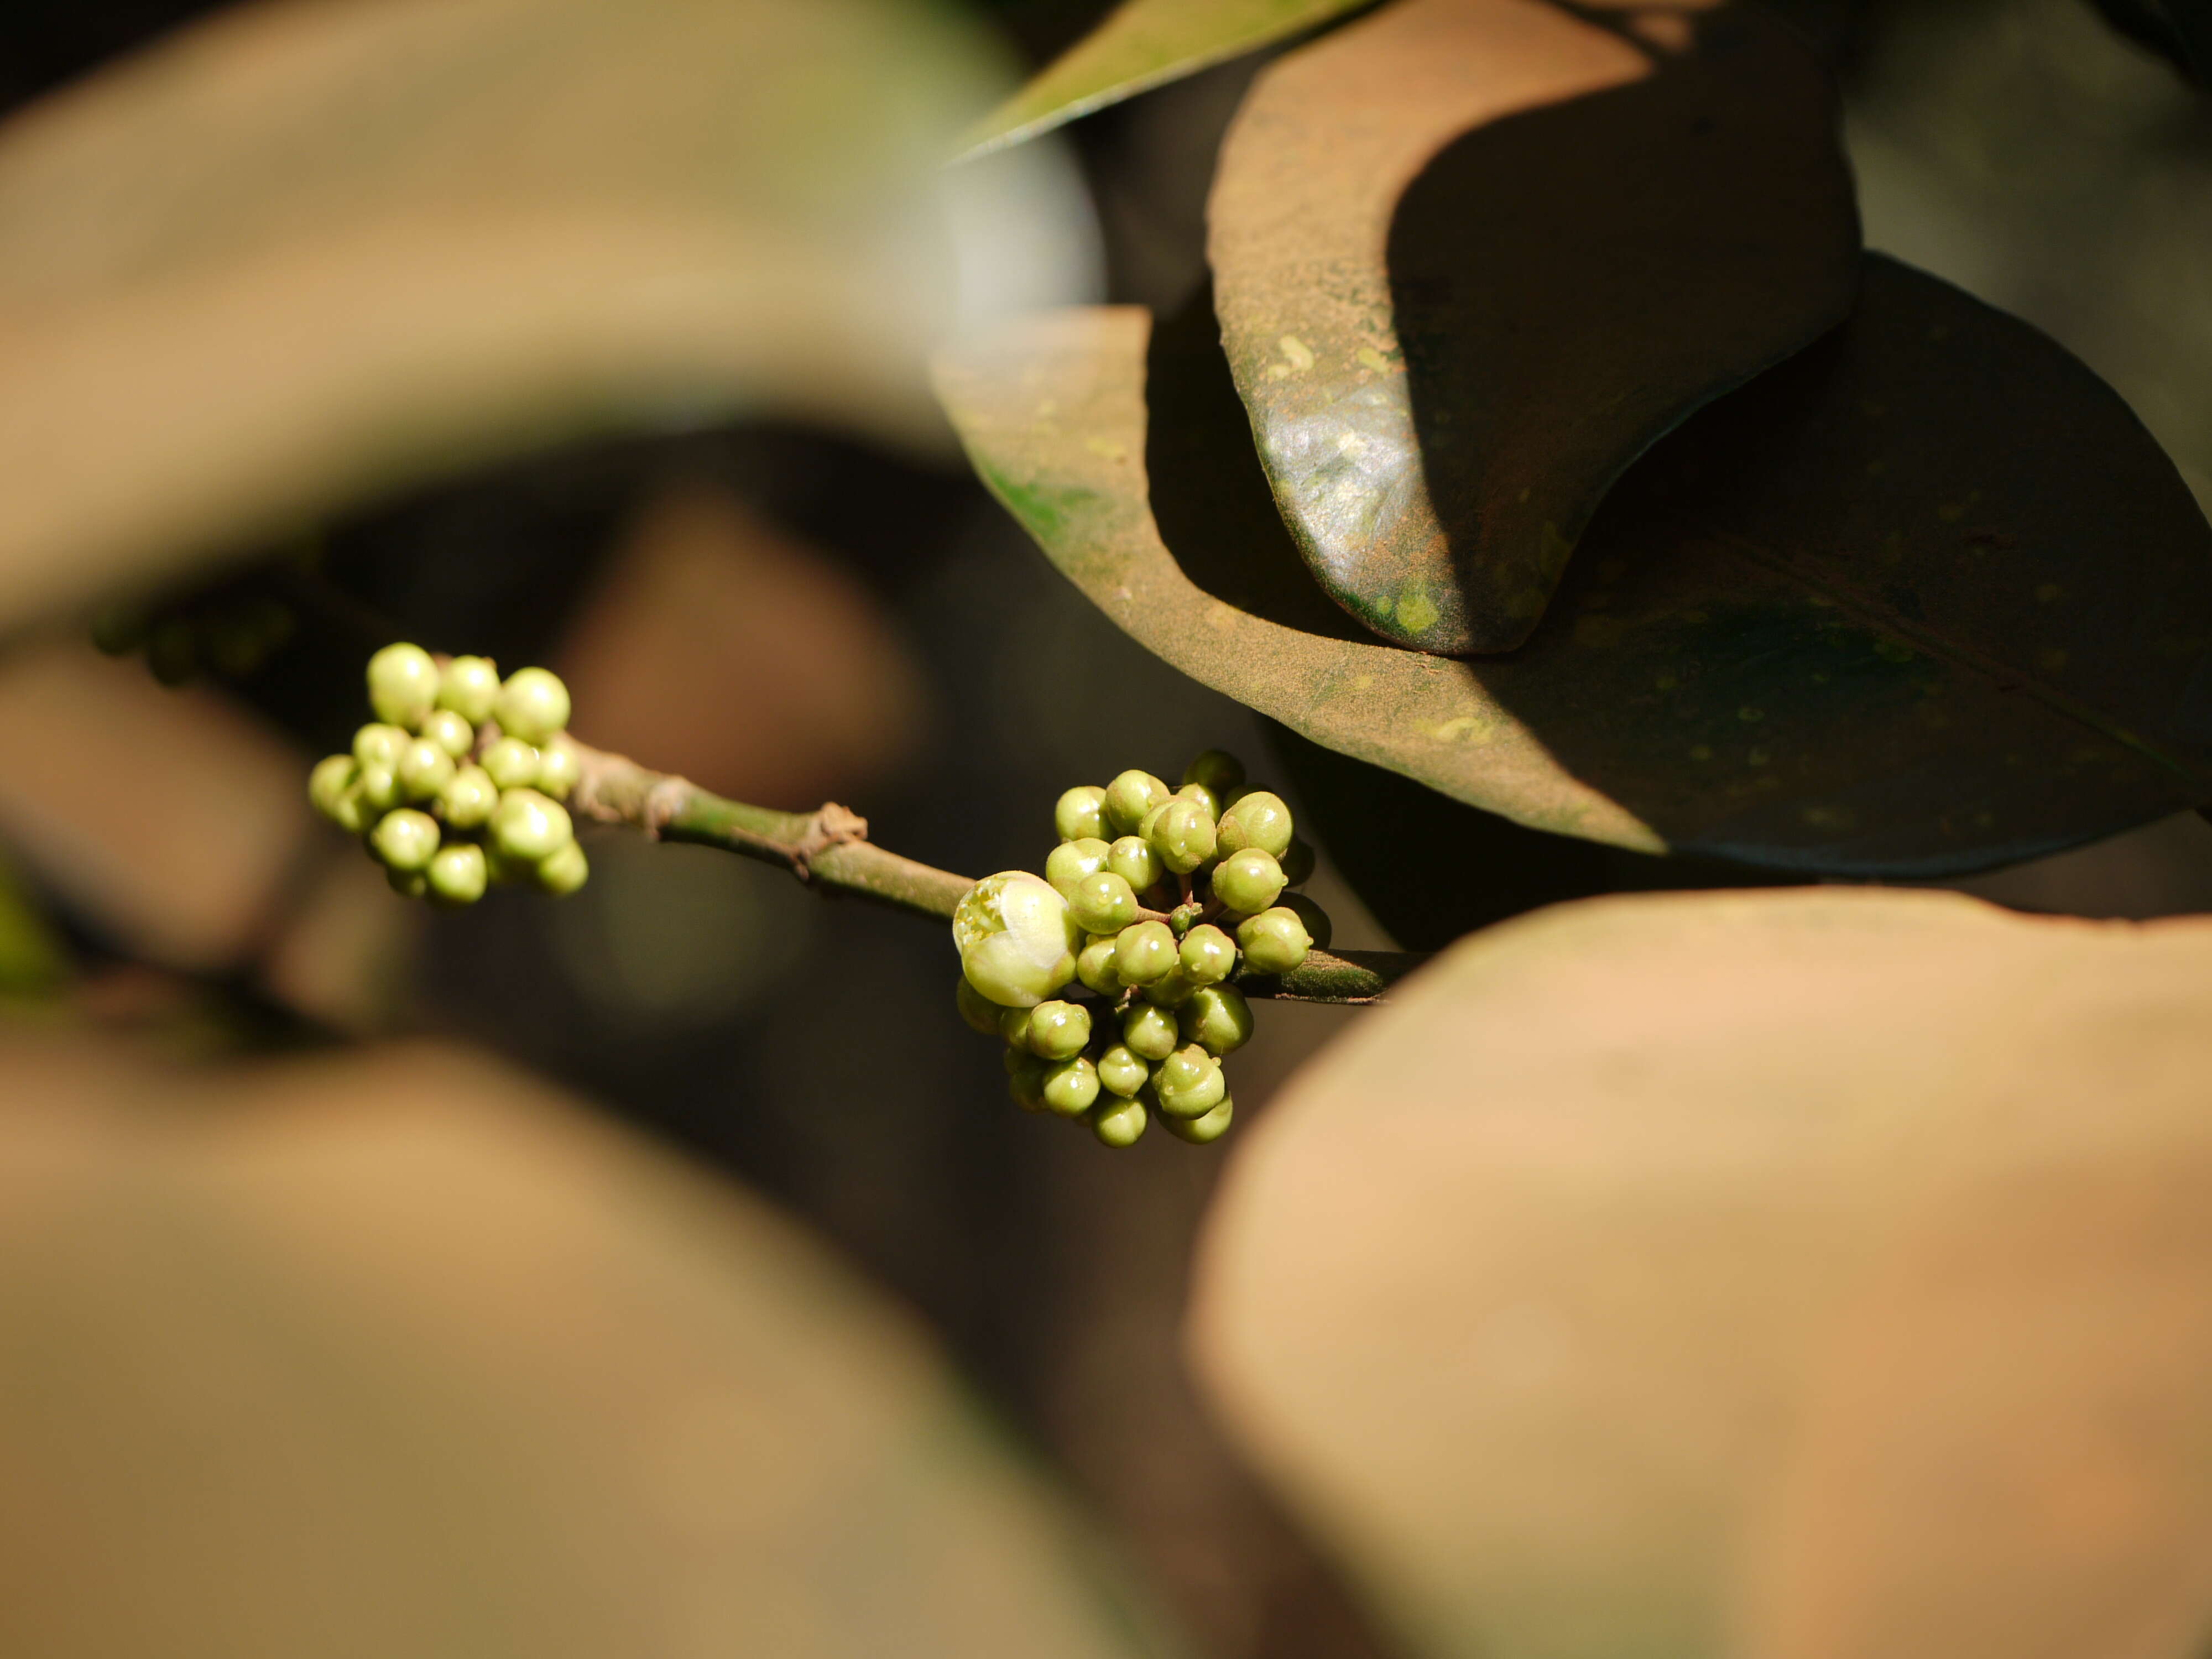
column 1926, row 599
column 1803, row 1275
column 1473, row 256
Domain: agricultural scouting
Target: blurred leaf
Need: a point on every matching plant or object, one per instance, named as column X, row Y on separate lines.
column 1804, row 1275
column 32, row 960
column 305, row 252
column 1925, row 599
column 1471, row 258
column 403, row 1354
column 1140, row 45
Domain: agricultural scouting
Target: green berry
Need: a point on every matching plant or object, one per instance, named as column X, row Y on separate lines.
column 563, row 871
column 506, row 871
column 1209, row 955
column 1259, row 819
column 1014, row 1027
column 512, row 762
column 469, row 687
column 1122, row 1072
column 1144, row 952
column 1247, row 882
column 1016, row 938
column 351, row 811
column 232, row 642
column 173, row 650
column 1129, row 797
column 1133, row 859
column 1071, row 860
column 1274, row 941
column 1058, row 1030
column 1103, row 901
column 405, row 839
column 1182, row 834
column 1202, row 798
column 1189, row 1083
column 559, row 767
column 1200, row 1130
column 403, row 684
column 1171, row 989
column 1149, row 1032
column 533, row 705
column 1315, row 918
column 1071, row 1086
column 332, row 781
column 408, row 884
column 1094, row 967
column 449, row 732
column 981, row 1013
column 1298, row 862
column 1117, row 1122
column 1144, row 825
column 1025, row 1082
column 1217, row 1018
column 119, row 630
column 1015, row 1057
column 527, row 825
column 379, row 788
column 1080, row 813
column 380, row 745
column 469, row 799
column 1218, row 771
column 424, row 770
column 458, row 874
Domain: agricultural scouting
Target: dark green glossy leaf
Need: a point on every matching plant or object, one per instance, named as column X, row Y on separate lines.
column 1472, row 258
column 1810, row 1275
column 1140, row 45
column 1924, row 600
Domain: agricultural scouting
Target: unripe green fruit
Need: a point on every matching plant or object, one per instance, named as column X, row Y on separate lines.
column 1058, row 1030
column 512, row 762
column 1247, row 882
column 449, row 732
column 405, row 839
column 1133, row 859
column 1171, row 989
column 563, row 871
column 1080, row 813
column 1117, row 1122
column 1183, row 1095
column 1144, row 826
column 119, row 630
column 527, row 825
column 232, row 642
column 378, row 788
column 1209, row 955
column 1025, row 1082
column 506, row 871
column 469, row 799
column 1013, row 1058
column 1122, row 1072
column 332, row 781
column 408, row 884
column 1274, row 941
column 173, row 650
column 380, row 745
column 1071, row 860
column 1218, row 771
column 403, row 684
column 1103, row 902
column 1311, row 914
column 1200, row 1130
column 458, row 874
column 1202, row 798
column 981, row 1013
column 1094, row 967
column 1259, row 819
column 1183, row 835
column 1217, row 1018
column 559, row 768
column 1014, row 1026
column 533, row 705
column 1016, row 938
column 469, row 687
column 1149, row 1032
column 1129, row 797
column 1070, row 1087
column 1297, row 864
column 1145, row 952
column 424, row 770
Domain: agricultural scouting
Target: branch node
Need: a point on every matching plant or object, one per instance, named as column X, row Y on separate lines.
column 832, row 825
column 662, row 803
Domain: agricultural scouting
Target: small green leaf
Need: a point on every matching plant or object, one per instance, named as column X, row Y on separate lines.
column 1924, row 600
column 1141, row 45
column 1803, row 1274
column 1470, row 260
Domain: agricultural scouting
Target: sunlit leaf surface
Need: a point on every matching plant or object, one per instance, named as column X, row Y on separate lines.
column 1802, row 1275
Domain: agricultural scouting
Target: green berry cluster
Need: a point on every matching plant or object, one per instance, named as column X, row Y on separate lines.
column 231, row 632
column 1153, row 903
column 457, row 782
